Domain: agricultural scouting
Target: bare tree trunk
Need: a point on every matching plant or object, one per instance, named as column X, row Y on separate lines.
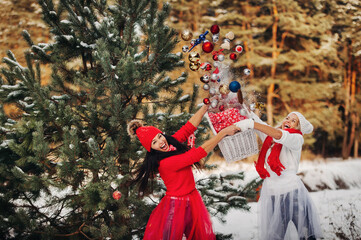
column 353, row 115
column 347, row 86
column 357, row 135
column 270, row 90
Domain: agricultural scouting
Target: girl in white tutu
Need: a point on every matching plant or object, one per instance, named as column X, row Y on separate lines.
column 286, row 210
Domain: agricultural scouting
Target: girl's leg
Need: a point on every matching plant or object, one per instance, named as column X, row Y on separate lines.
column 167, row 231
column 188, row 223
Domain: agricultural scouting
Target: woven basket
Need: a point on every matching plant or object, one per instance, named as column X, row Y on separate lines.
column 238, row 146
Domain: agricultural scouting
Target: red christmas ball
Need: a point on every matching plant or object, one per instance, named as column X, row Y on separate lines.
column 117, row 195
column 221, row 108
column 233, row 56
column 207, row 47
column 208, row 67
column 215, row 29
column 206, row 101
column 238, row 48
column 215, row 57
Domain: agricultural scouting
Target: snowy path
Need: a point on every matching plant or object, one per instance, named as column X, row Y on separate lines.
column 339, row 209
column 334, row 206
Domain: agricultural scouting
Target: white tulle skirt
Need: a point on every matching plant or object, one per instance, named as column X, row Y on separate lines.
column 286, row 210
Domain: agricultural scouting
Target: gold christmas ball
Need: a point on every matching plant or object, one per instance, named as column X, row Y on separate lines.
column 187, row 35
column 223, row 89
column 194, row 57
column 194, row 66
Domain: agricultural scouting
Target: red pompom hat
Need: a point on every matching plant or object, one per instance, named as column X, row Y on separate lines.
column 146, row 135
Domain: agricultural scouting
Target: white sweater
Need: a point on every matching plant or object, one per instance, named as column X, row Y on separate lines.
column 291, row 151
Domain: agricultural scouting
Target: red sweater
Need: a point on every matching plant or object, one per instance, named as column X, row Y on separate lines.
column 176, row 171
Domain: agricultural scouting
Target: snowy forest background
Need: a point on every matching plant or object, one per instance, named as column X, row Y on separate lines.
column 60, row 161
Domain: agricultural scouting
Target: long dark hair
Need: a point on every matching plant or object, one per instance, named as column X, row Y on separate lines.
column 149, row 167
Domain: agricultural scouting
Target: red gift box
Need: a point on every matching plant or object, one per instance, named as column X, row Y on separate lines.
column 225, row 118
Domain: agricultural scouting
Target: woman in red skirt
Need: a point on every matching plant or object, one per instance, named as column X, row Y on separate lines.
column 181, row 212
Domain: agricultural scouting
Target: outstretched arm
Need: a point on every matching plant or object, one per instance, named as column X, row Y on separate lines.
column 211, row 143
column 270, row 131
column 196, row 119
column 195, row 154
column 249, row 124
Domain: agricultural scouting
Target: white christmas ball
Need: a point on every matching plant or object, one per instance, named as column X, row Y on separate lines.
column 214, row 77
column 214, row 103
column 252, row 106
column 212, row 91
column 206, row 87
column 246, row 71
column 220, row 57
column 243, row 112
column 185, row 48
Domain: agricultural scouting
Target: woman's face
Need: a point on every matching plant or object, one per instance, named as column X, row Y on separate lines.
column 159, row 143
column 291, row 121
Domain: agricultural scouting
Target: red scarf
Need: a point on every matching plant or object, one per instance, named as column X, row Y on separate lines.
column 274, row 157
column 172, row 148
column 190, row 142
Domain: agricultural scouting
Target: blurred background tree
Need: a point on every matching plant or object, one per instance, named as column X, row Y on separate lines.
column 303, row 57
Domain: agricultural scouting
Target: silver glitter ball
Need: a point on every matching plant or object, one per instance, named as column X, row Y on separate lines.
column 206, row 87
column 214, row 77
column 246, row 71
column 185, row 48
column 220, row 57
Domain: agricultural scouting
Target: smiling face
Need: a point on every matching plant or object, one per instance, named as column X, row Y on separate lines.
column 291, row 121
column 160, row 143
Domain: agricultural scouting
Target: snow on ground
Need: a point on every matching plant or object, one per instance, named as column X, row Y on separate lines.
column 336, row 192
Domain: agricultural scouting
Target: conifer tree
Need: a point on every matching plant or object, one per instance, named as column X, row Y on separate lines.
column 68, row 151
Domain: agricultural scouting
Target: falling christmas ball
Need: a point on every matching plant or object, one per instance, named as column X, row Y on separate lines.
column 206, row 66
column 221, row 57
column 214, row 103
column 194, row 66
column 230, row 36
column 194, row 57
column 221, row 108
column 252, row 106
column 234, row 86
column 238, row 48
column 185, row 48
column 215, row 57
column 226, row 45
column 117, row 195
column 186, row 35
column 246, row 71
column 233, row 56
column 206, row 101
column 214, row 77
column 206, row 87
column 215, row 38
column 207, row 47
column 214, row 29
column 205, row 78
column 223, row 89
column 212, row 91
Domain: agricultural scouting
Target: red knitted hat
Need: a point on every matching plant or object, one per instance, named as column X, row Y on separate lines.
column 146, row 135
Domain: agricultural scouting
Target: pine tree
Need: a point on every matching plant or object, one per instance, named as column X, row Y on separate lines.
column 68, row 151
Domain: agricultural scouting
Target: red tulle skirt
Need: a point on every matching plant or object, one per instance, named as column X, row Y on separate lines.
column 177, row 218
